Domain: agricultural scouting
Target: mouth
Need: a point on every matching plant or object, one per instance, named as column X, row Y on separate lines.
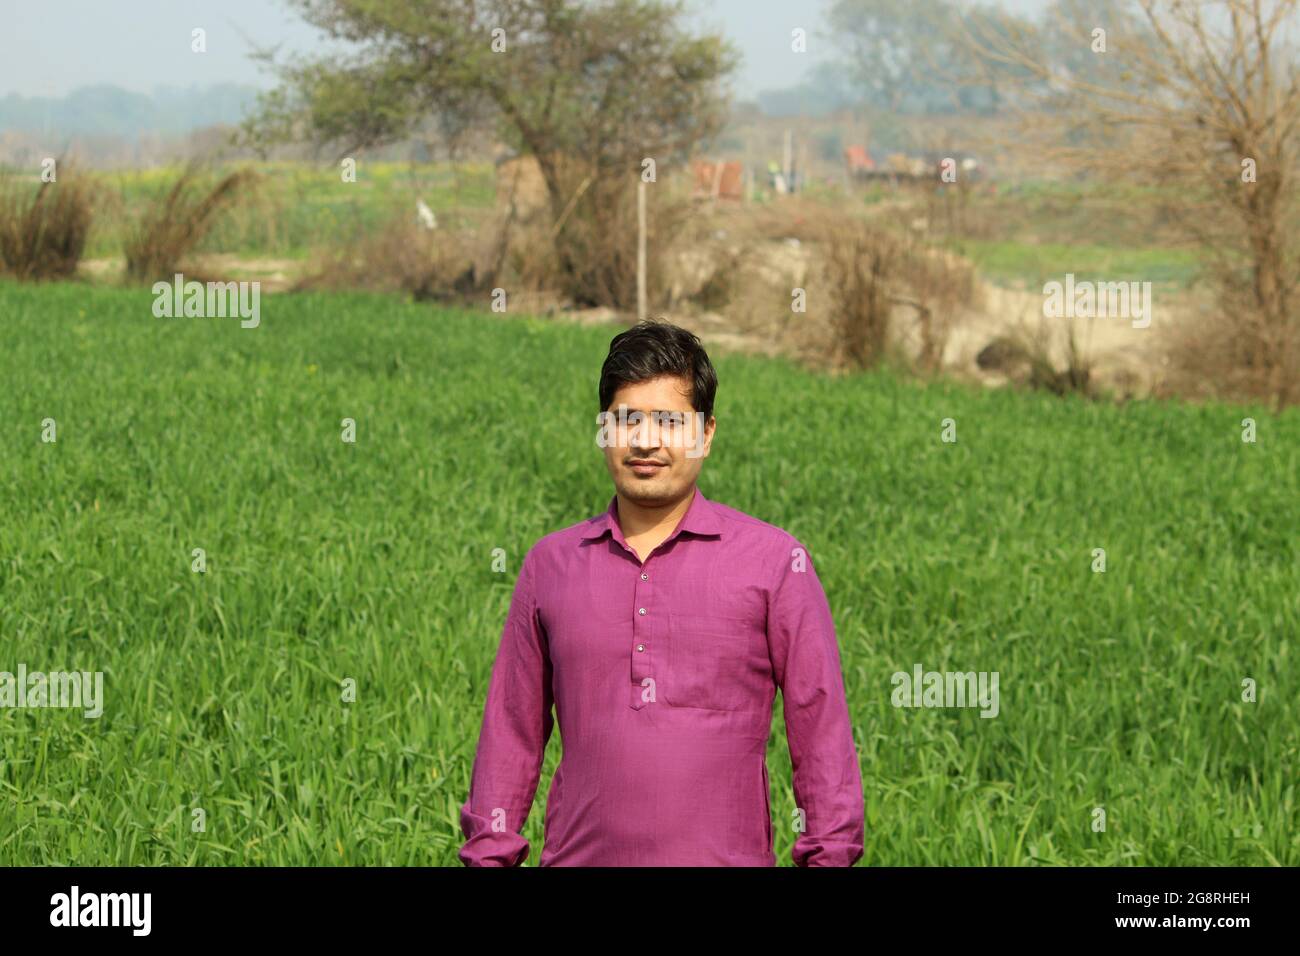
column 645, row 466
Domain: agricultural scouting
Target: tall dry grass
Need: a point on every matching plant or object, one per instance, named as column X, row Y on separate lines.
column 1225, row 350
column 595, row 244
column 887, row 294
column 172, row 225
column 401, row 256
column 43, row 231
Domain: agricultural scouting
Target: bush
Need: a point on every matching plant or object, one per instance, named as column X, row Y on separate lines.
column 595, row 238
column 401, row 256
column 43, row 234
column 176, row 221
column 1228, row 349
column 871, row 273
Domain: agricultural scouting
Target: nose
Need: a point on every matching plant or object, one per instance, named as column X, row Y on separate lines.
column 644, row 435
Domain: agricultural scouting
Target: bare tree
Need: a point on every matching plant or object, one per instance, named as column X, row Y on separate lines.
column 1202, row 98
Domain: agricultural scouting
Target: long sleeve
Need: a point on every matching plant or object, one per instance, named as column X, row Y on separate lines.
column 517, row 724
column 827, row 775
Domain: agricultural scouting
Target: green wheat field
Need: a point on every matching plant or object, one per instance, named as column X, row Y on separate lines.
column 330, row 563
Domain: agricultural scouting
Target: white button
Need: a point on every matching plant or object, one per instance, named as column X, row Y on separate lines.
column 641, row 610
column 640, row 647
column 644, row 576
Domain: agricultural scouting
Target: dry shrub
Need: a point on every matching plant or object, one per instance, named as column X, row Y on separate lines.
column 871, row 278
column 43, row 233
column 1227, row 351
column 871, row 291
column 401, row 256
column 724, row 281
column 177, row 220
column 859, row 270
column 742, row 259
column 703, row 265
column 531, row 261
column 594, row 238
column 1025, row 358
column 585, row 255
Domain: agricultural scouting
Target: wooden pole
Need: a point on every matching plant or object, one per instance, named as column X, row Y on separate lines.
column 640, row 252
column 787, row 160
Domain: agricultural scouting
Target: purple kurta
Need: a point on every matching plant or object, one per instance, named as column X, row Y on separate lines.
column 662, row 676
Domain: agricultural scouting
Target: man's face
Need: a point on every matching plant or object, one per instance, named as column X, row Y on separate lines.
column 655, row 456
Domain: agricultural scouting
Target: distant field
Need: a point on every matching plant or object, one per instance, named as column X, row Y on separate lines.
column 1028, row 233
column 1038, row 231
column 372, row 561
column 1032, row 264
column 301, row 206
column 1017, row 234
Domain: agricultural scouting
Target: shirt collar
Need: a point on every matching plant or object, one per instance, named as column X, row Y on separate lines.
column 700, row 518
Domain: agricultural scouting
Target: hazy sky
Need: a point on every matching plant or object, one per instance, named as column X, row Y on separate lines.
column 50, row 47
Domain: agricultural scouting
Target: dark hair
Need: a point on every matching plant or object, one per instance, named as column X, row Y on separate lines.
column 653, row 348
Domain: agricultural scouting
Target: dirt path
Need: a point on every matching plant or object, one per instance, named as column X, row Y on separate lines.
column 275, row 275
column 1125, row 359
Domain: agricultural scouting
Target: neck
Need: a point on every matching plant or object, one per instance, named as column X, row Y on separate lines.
column 637, row 519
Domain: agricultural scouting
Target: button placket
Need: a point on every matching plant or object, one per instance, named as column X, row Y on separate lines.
column 642, row 645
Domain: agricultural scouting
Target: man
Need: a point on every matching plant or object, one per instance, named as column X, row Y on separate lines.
column 660, row 631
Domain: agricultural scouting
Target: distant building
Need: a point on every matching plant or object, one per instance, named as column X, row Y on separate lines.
column 723, row 180
column 858, row 160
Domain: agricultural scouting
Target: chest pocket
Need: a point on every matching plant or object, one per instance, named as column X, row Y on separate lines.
column 711, row 661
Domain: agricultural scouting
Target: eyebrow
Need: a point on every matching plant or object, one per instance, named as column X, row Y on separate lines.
column 655, row 414
column 656, row 411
